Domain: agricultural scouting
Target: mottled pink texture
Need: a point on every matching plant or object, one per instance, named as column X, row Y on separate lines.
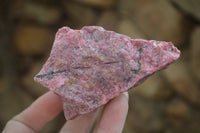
column 89, row 67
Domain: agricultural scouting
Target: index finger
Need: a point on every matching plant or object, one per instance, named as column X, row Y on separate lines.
column 37, row 115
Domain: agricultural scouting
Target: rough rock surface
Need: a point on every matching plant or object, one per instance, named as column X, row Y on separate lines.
column 89, row 67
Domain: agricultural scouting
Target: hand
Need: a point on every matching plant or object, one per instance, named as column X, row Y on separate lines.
column 48, row 106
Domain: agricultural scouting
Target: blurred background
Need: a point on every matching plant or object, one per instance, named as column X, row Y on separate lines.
column 168, row 102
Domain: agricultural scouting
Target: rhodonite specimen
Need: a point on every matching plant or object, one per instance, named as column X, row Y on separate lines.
column 89, row 67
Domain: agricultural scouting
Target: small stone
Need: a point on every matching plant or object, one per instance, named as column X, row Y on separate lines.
column 158, row 19
column 195, row 52
column 178, row 113
column 178, row 109
column 190, row 6
column 109, row 20
column 32, row 40
column 89, row 67
column 40, row 13
column 98, row 3
column 178, row 76
column 143, row 111
column 74, row 9
column 130, row 29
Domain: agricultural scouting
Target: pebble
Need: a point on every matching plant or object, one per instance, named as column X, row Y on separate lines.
column 109, row 20
column 155, row 88
column 74, row 9
column 180, row 79
column 158, row 19
column 129, row 28
column 40, row 13
column 32, row 40
column 177, row 109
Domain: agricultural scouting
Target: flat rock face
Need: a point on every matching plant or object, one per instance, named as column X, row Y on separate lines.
column 89, row 67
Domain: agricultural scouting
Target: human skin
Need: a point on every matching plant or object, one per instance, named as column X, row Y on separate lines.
column 49, row 105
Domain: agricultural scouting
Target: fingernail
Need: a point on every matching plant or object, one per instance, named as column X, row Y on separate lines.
column 126, row 94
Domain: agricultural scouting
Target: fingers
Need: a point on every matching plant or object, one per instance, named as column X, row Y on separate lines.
column 80, row 124
column 49, row 105
column 36, row 116
column 114, row 115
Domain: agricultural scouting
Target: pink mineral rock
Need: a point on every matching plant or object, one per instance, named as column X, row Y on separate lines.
column 89, row 67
